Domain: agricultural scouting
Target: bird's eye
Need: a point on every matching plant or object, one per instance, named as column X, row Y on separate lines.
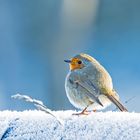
column 79, row 62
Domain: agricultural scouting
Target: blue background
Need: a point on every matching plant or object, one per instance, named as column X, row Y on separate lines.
column 36, row 36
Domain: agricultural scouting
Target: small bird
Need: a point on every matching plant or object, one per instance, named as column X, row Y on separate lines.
column 89, row 86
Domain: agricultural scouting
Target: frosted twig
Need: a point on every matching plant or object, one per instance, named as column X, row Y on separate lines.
column 129, row 99
column 38, row 104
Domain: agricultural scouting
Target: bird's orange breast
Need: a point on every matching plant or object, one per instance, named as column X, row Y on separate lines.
column 75, row 65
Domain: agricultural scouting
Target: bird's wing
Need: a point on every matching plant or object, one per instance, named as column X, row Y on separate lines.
column 92, row 91
column 116, row 102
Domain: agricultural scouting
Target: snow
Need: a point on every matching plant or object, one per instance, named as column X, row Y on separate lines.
column 38, row 125
column 38, row 104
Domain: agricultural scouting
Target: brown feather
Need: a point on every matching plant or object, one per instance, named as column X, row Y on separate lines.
column 117, row 103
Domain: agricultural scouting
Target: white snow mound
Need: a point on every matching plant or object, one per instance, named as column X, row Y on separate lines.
column 37, row 125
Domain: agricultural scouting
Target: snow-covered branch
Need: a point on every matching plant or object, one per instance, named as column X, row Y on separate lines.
column 38, row 104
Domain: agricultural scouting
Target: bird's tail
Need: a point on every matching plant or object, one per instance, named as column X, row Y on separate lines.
column 117, row 103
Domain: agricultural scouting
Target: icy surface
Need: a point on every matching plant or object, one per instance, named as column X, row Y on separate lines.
column 37, row 125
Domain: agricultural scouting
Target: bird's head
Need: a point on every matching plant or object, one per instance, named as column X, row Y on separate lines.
column 79, row 61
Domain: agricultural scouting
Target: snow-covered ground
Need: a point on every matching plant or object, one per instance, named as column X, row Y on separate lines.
column 37, row 125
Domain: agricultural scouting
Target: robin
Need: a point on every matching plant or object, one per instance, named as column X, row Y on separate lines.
column 89, row 86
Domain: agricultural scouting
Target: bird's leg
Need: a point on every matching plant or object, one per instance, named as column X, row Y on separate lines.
column 84, row 112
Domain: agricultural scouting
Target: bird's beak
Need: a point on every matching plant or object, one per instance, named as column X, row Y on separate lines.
column 67, row 61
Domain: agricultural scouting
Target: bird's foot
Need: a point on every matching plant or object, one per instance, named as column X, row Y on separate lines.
column 84, row 112
column 81, row 113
